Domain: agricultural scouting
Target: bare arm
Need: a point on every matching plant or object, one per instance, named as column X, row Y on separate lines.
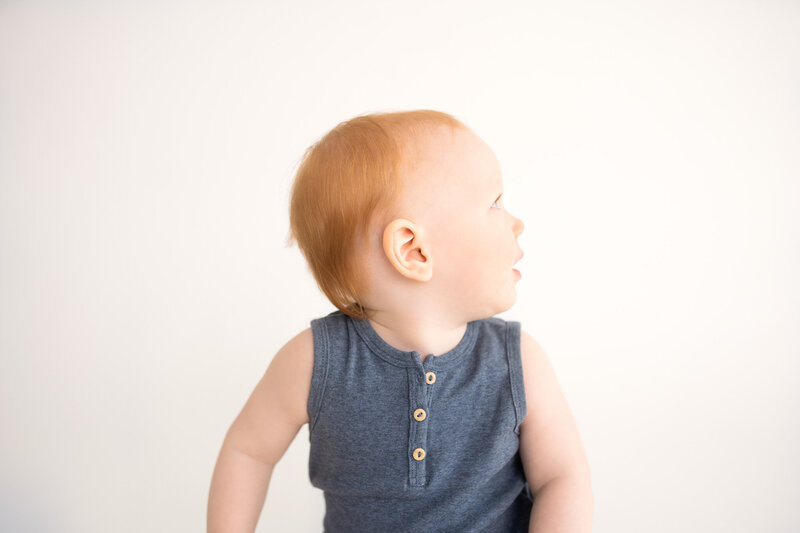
column 552, row 455
column 258, row 438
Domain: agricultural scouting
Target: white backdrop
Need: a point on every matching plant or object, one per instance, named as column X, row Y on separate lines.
column 146, row 155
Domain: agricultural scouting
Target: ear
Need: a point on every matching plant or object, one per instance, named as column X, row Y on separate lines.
column 408, row 250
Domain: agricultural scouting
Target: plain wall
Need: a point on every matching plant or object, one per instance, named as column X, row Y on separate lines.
column 146, row 155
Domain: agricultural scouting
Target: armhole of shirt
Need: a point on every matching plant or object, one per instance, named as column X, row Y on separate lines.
column 320, row 372
column 514, row 355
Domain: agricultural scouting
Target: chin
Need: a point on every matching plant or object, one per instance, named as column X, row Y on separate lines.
column 507, row 304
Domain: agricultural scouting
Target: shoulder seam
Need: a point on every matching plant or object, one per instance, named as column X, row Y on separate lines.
column 319, row 372
column 515, row 376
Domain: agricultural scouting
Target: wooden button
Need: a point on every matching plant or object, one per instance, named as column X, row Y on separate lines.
column 430, row 378
column 419, row 414
column 419, row 454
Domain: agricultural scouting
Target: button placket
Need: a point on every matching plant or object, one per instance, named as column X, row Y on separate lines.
column 418, row 430
column 422, row 380
column 425, row 379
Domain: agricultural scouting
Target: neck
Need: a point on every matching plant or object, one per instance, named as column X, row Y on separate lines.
column 418, row 333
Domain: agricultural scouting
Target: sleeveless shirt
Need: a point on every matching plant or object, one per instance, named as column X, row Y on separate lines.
column 398, row 445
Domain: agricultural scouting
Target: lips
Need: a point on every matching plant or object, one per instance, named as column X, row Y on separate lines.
column 520, row 257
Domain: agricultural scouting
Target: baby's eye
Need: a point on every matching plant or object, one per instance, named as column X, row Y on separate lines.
column 497, row 201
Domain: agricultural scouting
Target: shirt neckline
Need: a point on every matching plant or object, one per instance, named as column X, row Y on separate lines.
column 412, row 358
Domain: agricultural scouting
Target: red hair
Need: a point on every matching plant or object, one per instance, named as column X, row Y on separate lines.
column 347, row 180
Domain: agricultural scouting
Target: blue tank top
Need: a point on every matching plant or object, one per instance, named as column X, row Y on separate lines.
column 398, row 445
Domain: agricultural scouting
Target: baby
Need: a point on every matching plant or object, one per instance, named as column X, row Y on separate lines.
column 426, row 412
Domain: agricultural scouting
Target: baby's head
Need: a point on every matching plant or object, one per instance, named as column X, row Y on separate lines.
column 399, row 210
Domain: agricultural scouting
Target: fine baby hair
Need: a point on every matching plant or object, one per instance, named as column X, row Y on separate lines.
column 346, row 184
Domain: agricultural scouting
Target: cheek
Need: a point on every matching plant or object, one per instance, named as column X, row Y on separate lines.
column 453, row 237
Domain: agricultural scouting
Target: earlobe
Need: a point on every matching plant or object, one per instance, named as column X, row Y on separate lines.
column 406, row 246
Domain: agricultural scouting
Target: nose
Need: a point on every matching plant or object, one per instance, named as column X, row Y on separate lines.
column 518, row 226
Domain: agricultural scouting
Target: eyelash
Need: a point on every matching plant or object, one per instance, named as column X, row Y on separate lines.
column 498, row 199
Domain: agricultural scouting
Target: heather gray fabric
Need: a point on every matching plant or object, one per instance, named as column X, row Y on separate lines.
column 363, row 432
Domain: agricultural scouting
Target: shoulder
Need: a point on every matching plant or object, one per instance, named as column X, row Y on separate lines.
column 289, row 374
column 298, row 352
column 297, row 349
column 537, row 371
column 276, row 408
column 538, row 377
column 531, row 351
column 550, row 444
